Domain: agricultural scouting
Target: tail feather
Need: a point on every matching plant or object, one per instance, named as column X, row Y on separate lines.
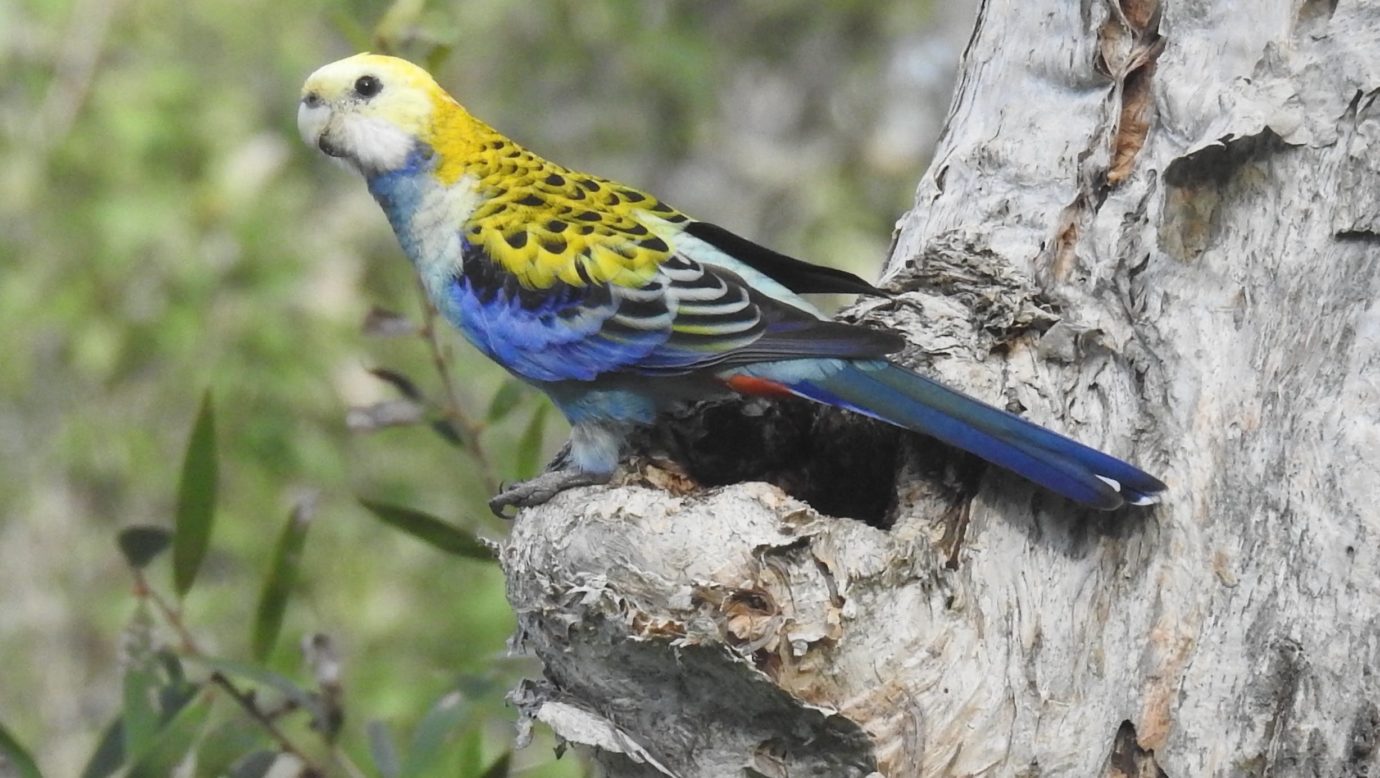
column 1062, row 465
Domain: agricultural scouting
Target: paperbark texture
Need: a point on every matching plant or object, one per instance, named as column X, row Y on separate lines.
column 1155, row 227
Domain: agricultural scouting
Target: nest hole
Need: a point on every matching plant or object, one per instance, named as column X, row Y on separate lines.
column 840, row 463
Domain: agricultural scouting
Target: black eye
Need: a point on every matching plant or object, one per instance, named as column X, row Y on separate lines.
column 368, row 86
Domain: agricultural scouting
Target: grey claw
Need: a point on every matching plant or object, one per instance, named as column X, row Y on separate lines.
column 535, row 491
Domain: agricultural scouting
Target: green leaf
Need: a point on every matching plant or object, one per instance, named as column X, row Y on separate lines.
column 140, row 710
column 529, row 445
column 382, row 750
column 172, row 667
column 109, row 755
column 152, row 734
column 448, row 432
column 431, row 530
column 433, row 730
column 172, row 743
column 282, row 576
column 196, row 500
column 227, row 743
column 506, row 399
column 499, row 769
column 141, row 544
column 13, row 755
column 176, row 691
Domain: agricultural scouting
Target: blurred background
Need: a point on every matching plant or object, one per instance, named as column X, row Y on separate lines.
column 163, row 232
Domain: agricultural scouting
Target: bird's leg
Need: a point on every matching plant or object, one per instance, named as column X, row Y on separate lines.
column 535, row 491
column 589, row 458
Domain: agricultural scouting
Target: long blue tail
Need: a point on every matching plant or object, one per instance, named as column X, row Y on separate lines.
column 895, row 395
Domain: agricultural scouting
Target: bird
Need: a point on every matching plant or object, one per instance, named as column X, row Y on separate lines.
column 620, row 307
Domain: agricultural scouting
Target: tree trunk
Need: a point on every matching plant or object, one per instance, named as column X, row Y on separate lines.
column 1152, row 227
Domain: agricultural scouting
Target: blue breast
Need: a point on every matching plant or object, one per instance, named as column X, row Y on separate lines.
column 399, row 192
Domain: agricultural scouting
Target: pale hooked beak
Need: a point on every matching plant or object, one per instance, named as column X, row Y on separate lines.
column 312, row 117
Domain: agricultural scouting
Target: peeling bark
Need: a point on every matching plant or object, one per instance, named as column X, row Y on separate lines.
column 1152, row 225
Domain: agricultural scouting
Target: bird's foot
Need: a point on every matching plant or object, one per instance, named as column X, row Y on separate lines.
column 525, row 494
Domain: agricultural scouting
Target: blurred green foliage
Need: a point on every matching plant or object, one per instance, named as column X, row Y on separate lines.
column 163, row 231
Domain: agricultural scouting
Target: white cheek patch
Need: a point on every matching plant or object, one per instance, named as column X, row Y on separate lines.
column 373, row 145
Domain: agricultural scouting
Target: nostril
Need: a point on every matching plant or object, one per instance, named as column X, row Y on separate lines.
column 311, row 100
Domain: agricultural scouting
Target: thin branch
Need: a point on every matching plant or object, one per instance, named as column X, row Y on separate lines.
column 454, row 409
column 173, row 617
column 246, row 702
column 170, row 614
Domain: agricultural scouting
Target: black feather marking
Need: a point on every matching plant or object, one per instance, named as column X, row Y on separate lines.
column 798, row 276
column 583, row 271
column 642, row 309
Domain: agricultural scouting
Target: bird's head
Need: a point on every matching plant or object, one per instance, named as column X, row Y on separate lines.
column 370, row 111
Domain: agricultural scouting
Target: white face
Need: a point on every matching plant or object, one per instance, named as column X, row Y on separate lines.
column 363, row 113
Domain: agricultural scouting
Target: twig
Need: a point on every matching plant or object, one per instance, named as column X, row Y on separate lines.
column 246, row 702
column 170, row 614
column 173, row 617
column 454, row 409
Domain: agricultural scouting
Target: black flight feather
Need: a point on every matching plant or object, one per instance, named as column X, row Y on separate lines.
column 797, row 276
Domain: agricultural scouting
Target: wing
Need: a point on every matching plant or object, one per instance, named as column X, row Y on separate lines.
column 688, row 316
